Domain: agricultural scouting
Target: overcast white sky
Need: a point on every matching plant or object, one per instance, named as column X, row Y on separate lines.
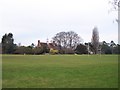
column 32, row 20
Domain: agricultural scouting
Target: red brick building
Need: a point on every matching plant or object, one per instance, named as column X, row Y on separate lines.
column 52, row 45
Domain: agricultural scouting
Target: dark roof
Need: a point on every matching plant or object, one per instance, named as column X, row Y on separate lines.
column 48, row 45
column 43, row 44
column 54, row 46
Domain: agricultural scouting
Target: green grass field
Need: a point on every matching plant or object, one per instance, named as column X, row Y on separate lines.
column 60, row 71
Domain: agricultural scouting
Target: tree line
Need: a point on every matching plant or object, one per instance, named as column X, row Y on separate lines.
column 67, row 42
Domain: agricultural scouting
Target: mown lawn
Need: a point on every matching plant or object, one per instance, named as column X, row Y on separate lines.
column 60, row 71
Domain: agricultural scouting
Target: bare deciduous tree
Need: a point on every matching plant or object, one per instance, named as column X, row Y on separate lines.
column 95, row 40
column 115, row 3
column 67, row 39
column 116, row 6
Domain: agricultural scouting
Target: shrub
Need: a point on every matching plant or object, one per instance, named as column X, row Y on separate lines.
column 52, row 51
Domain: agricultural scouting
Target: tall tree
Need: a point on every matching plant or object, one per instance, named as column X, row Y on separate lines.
column 112, row 46
column 117, row 49
column 105, row 48
column 116, row 7
column 67, row 39
column 115, row 3
column 95, row 40
column 8, row 45
column 81, row 49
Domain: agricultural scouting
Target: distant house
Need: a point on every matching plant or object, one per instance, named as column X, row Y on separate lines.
column 47, row 45
column 42, row 44
column 54, row 46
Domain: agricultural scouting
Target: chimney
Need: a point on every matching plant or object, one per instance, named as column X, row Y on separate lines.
column 54, row 43
column 38, row 44
column 47, row 41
